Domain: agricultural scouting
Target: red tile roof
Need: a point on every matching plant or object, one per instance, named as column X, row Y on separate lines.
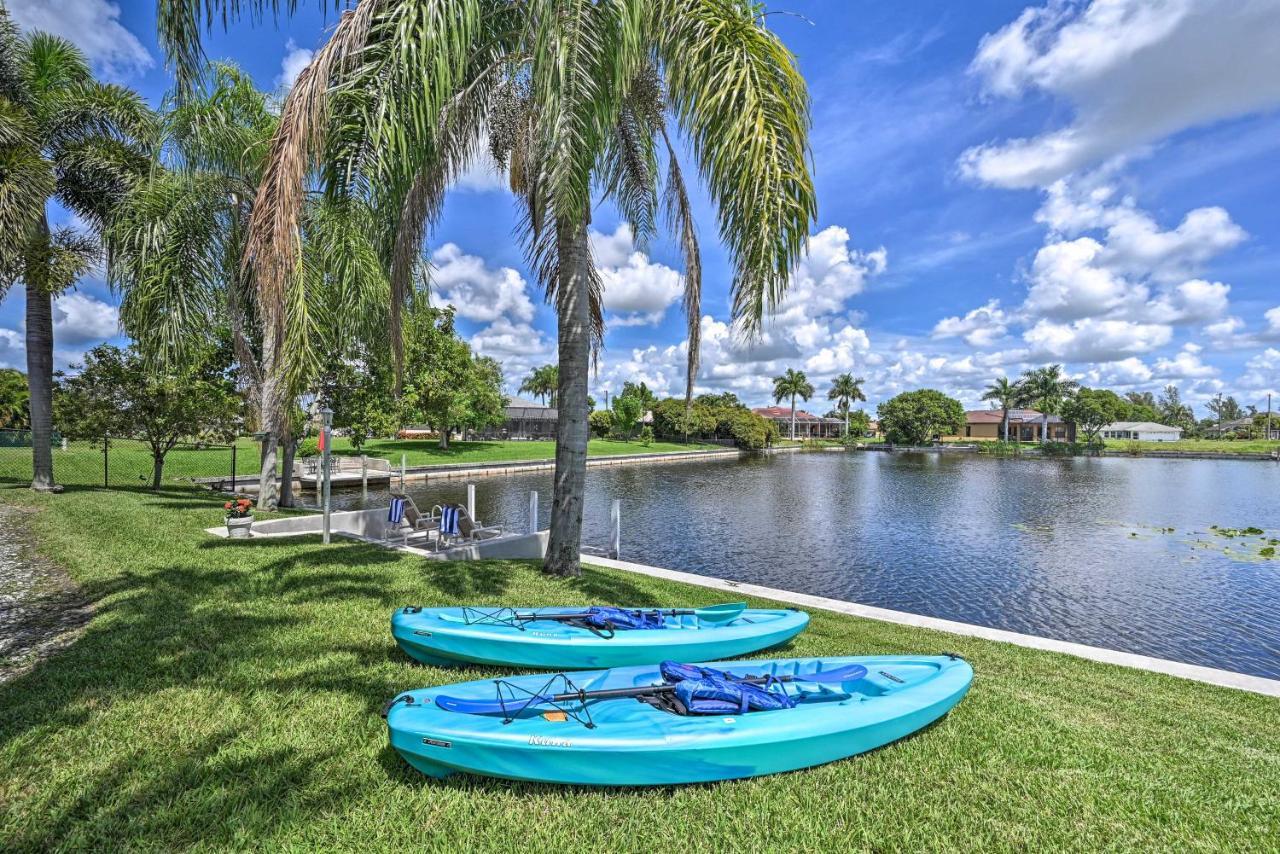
column 784, row 412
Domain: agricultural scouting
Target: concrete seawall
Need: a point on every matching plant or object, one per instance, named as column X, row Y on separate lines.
column 1195, row 672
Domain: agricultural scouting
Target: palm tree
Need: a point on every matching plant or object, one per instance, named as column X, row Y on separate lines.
column 177, row 242
column 576, row 96
column 542, row 383
column 1008, row 394
column 792, row 384
column 65, row 138
column 845, row 389
column 1046, row 389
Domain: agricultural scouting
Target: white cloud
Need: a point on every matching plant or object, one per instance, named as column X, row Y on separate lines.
column 637, row 291
column 1185, row 365
column 477, row 291
column 482, row 174
column 81, row 319
column 1093, row 340
column 1124, row 372
column 1134, row 71
column 828, row 275
column 13, row 350
column 93, row 25
column 295, row 61
column 1262, row 372
column 979, row 328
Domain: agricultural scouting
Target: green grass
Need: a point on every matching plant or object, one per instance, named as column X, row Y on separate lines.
column 421, row 452
column 226, row 695
column 1217, row 446
column 130, row 461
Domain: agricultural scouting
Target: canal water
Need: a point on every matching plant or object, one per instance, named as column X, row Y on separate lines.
column 1142, row 555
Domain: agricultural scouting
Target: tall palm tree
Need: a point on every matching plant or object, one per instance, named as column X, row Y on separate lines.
column 577, row 95
column 792, row 384
column 1008, row 394
column 65, row 138
column 542, row 383
column 1046, row 389
column 177, row 242
column 845, row 390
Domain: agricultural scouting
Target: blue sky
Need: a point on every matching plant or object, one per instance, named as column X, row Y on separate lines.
column 1000, row 185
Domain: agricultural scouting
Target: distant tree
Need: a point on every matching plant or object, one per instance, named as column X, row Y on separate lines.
column 1046, row 389
column 1225, row 409
column 640, row 392
column 845, row 390
column 600, row 422
column 15, row 413
column 359, row 392
column 1008, row 395
column 542, row 383
column 671, row 419
column 915, row 417
column 859, row 423
column 726, row 399
column 791, row 385
column 1173, row 411
column 1142, row 398
column 444, row 384
column 749, row 430
column 1091, row 410
column 114, row 393
column 626, row 414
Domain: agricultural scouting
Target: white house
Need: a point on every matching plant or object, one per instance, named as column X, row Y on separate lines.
column 1145, row 431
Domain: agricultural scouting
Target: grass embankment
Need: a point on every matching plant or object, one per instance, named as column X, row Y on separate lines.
column 1197, row 446
column 422, row 452
column 226, row 695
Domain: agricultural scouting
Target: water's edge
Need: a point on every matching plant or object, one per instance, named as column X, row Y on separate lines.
column 1194, row 672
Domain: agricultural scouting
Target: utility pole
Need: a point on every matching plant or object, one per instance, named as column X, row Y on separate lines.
column 1219, row 412
column 1268, row 416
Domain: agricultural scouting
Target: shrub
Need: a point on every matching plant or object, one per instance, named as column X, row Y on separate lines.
column 750, row 431
column 308, row 447
column 1133, row 448
column 1000, row 448
column 646, row 436
column 601, row 422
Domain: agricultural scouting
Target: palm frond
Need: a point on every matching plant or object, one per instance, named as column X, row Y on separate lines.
column 738, row 95
column 680, row 215
column 168, row 260
column 26, row 181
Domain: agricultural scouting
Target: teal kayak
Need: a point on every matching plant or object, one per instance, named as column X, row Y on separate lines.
column 532, row 728
column 509, row 638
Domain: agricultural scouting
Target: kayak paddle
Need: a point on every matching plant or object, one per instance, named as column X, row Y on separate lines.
column 713, row 614
column 469, row 706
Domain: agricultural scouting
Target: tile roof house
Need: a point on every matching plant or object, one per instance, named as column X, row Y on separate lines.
column 808, row 425
column 1024, row 426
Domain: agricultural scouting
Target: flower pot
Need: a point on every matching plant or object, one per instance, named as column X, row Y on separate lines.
column 238, row 528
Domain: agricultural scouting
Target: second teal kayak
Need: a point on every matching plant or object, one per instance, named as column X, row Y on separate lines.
column 451, row 636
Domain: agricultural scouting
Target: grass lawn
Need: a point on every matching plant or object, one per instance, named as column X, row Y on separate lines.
column 421, row 452
column 226, row 695
column 1217, row 446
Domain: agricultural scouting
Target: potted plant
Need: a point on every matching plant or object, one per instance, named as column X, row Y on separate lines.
column 239, row 517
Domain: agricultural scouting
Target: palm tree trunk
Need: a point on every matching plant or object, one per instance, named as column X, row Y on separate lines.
column 40, row 383
column 290, row 444
column 272, row 420
column 1004, row 424
column 793, row 417
column 846, row 421
column 1044, row 428
column 564, row 548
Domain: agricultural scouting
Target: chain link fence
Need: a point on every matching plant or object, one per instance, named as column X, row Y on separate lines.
column 116, row 462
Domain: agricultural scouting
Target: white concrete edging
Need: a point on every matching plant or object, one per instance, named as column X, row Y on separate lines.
column 1209, row 675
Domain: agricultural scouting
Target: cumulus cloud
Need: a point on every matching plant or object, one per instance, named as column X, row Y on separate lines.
column 13, row 350
column 295, row 61
column 979, row 328
column 1262, row 372
column 1185, row 365
column 827, row 276
column 81, row 319
column 1094, row 340
column 475, row 290
column 92, row 25
column 637, row 291
column 1134, row 72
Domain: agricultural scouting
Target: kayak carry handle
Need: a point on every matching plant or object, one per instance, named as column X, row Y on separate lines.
column 714, row 614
